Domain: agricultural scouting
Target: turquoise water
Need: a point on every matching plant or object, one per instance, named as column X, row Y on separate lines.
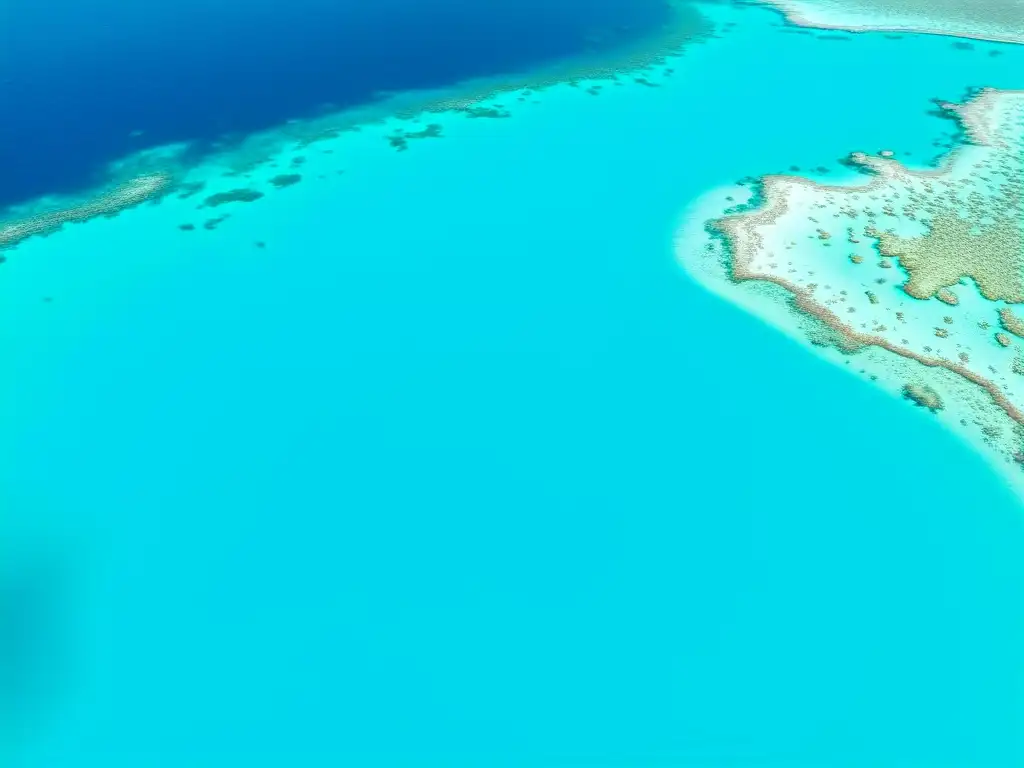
column 461, row 469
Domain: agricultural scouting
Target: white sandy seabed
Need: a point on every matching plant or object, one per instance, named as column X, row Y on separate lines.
column 1000, row 20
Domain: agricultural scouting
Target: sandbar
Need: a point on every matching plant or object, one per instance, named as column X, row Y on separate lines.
column 997, row 20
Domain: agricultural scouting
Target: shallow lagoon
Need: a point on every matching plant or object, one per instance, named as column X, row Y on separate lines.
column 460, row 468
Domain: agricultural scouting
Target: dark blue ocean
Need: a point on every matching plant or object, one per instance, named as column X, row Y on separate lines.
column 77, row 80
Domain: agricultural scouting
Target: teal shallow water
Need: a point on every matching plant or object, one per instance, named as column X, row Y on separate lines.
column 462, row 470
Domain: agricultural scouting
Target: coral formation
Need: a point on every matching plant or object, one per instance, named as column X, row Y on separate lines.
column 924, row 396
column 960, row 226
column 121, row 196
column 242, row 195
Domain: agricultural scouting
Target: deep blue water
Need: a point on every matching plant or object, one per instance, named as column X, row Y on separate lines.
column 76, row 79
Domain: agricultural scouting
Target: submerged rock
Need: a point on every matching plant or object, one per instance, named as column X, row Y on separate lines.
column 923, row 396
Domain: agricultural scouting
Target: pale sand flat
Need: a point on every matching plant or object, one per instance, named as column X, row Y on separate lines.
column 1000, row 20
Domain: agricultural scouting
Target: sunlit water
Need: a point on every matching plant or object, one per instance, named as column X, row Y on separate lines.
column 459, row 468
